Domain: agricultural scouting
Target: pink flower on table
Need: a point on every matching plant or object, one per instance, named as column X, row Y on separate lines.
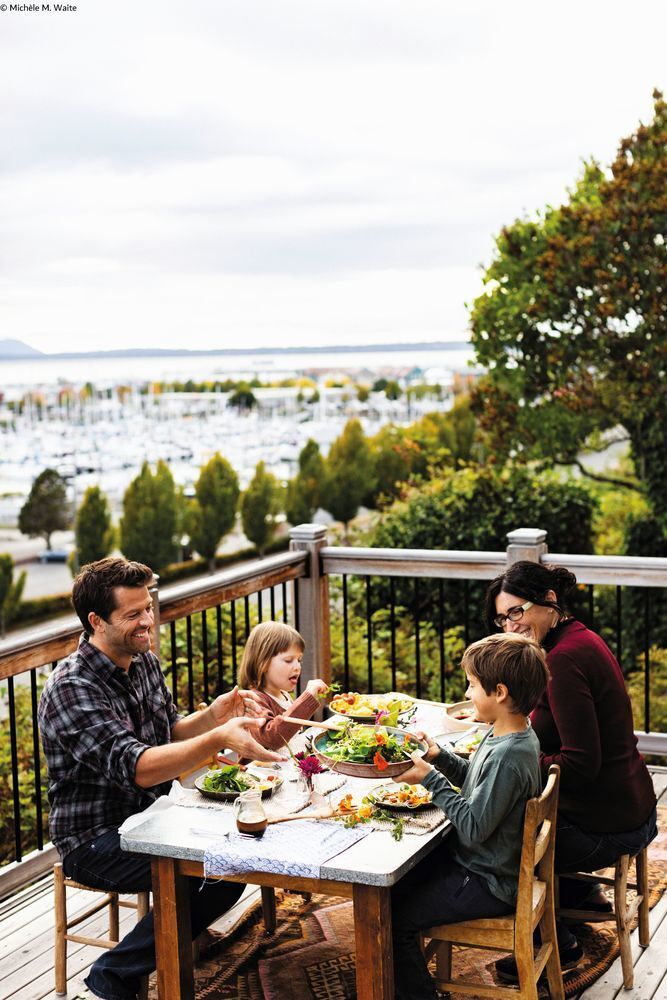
column 382, row 714
column 308, row 764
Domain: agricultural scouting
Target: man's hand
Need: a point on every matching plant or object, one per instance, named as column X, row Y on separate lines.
column 239, row 735
column 234, row 704
column 420, row 768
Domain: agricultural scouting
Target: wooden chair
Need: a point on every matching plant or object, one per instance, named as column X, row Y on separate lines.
column 623, row 912
column 535, row 907
column 63, row 926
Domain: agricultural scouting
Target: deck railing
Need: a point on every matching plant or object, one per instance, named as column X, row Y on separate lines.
column 401, row 602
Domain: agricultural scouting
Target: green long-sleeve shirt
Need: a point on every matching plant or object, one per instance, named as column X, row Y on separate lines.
column 487, row 814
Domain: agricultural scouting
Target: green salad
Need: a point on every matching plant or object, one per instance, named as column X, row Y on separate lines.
column 360, row 744
column 227, row 779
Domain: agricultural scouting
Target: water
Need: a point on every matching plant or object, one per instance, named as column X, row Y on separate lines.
column 110, row 371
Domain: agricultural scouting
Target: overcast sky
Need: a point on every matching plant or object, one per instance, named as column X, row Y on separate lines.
column 225, row 173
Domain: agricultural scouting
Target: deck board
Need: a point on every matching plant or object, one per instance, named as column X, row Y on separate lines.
column 27, row 930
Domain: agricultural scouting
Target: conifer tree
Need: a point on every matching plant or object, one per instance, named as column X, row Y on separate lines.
column 350, row 475
column 93, row 533
column 11, row 591
column 213, row 512
column 150, row 517
column 304, row 492
column 46, row 510
column 259, row 506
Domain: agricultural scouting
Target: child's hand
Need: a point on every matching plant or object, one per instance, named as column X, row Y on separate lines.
column 316, row 687
column 420, row 768
column 433, row 748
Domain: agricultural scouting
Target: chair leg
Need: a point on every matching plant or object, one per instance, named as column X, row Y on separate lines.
column 143, row 905
column 60, row 947
column 269, row 909
column 641, row 865
column 443, row 962
column 553, row 970
column 620, row 910
column 114, row 926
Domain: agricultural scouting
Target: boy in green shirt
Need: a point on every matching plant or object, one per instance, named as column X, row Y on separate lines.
column 476, row 872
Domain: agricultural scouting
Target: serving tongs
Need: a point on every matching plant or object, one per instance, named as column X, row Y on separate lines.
column 335, row 727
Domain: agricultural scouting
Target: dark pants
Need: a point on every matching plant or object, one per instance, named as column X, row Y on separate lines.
column 102, row 864
column 436, row 891
column 578, row 851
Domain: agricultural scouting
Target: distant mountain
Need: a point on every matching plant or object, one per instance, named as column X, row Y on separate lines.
column 17, row 349
column 151, row 352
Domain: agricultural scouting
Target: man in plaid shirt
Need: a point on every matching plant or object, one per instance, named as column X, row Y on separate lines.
column 113, row 742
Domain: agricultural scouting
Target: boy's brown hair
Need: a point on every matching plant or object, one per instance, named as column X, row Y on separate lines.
column 266, row 640
column 513, row 660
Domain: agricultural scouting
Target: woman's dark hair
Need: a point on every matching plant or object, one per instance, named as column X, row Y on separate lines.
column 93, row 589
column 531, row 581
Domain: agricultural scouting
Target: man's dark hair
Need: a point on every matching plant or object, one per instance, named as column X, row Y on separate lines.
column 93, row 588
column 513, row 660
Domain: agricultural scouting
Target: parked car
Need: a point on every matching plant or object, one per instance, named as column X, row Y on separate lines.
column 54, row 556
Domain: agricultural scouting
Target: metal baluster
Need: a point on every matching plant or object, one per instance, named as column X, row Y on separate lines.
column 259, row 605
column 191, row 693
column 204, row 652
column 36, row 759
column 591, row 605
column 246, row 611
column 174, row 662
column 619, row 627
column 346, row 647
column 466, row 612
column 418, row 673
column 647, row 662
column 218, row 629
column 285, row 602
column 441, row 634
column 18, row 854
column 392, row 627
column 295, row 610
column 272, row 593
column 233, row 643
column 369, row 635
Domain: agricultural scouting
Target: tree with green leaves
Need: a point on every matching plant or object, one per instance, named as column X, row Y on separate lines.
column 46, row 510
column 350, row 473
column 93, row 531
column 259, row 506
column 243, row 398
column 394, row 453
column 149, row 523
column 11, row 591
column 304, row 492
column 212, row 513
column 571, row 321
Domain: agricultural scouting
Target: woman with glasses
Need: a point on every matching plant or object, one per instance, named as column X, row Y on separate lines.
column 584, row 723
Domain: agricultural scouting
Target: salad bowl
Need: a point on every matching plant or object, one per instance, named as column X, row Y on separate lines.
column 226, row 784
column 363, row 751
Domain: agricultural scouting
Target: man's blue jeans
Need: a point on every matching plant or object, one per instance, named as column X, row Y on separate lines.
column 102, row 864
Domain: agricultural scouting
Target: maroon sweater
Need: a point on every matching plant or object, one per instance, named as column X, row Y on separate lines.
column 275, row 732
column 584, row 723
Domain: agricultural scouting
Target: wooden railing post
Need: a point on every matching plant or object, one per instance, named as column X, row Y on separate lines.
column 526, row 543
column 313, row 602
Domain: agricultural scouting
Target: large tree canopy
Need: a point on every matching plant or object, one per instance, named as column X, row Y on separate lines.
column 571, row 322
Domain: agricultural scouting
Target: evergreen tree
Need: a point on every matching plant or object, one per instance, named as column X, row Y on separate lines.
column 150, row 517
column 259, row 505
column 93, row 533
column 46, row 510
column 350, row 475
column 304, row 492
column 212, row 514
column 11, row 591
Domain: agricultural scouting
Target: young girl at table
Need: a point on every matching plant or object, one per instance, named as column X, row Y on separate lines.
column 476, row 871
column 271, row 664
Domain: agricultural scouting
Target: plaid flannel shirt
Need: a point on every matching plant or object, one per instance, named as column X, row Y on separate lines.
column 96, row 720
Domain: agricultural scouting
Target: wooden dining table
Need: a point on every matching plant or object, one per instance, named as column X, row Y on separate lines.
column 176, row 839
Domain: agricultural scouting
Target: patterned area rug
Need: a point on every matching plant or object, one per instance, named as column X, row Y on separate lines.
column 311, row 955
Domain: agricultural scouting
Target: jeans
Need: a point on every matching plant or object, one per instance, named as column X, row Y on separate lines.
column 102, row 864
column 578, row 851
column 436, row 891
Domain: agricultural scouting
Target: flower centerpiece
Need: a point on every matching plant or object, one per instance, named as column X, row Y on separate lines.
column 309, row 766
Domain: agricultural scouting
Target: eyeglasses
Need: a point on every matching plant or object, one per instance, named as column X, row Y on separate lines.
column 513, row 615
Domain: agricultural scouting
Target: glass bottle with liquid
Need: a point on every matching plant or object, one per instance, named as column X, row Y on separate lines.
column 250, row 815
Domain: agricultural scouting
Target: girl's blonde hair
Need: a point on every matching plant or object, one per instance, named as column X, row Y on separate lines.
column 268, row 639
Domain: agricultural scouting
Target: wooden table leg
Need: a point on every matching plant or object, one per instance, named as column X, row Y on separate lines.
column 173, row 937
column 372, row 934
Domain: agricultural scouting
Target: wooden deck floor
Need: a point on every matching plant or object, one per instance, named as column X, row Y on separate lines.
column 27, row 927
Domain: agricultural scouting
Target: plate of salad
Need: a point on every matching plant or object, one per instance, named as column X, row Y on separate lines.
column 226, row 783
column 395, row 796
column 365, row 707
column 469, row 742
column 368, row 751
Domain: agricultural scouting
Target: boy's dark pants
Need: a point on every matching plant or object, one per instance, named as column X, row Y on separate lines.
column 102, row 864
column 436, row 891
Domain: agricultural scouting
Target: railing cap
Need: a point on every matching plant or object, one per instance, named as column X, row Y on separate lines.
column 308, row 532
column 526, row 536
